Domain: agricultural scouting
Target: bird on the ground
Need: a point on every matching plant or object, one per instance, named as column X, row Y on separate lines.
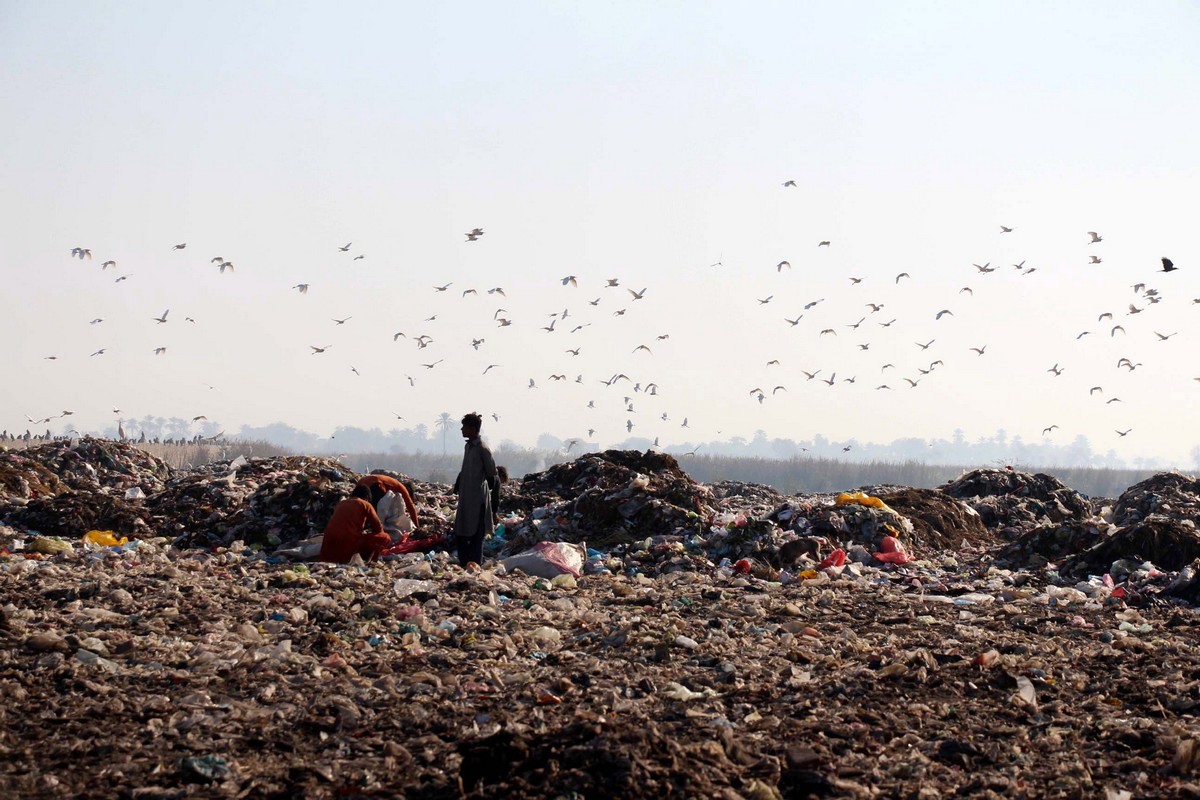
column 1095, row 237
column 1168, row 265
column 163, row 318
column 179, row 246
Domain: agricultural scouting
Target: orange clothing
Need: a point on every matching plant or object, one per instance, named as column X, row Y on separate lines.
column 344, row 534
column 390, row 484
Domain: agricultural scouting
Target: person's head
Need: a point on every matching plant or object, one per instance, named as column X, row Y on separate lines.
column 412, row 492
column 362, row 493
column 471, row 425
column 502, row 474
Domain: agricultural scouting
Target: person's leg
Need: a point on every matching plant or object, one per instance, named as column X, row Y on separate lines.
column 372, row 544
column 475, row 551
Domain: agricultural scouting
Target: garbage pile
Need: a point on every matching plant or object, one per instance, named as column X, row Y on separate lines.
column 90, row 465
column 263, row 502
column 1011, row 500
column 1167, row 493
column 608, row 499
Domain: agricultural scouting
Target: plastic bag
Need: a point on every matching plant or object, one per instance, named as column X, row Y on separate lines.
column 892, row 552
column 548, row 560
column 104, row 539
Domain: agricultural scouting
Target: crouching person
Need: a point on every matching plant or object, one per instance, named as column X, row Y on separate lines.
column 354, row 528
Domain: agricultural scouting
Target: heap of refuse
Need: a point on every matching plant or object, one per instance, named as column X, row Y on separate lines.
column 263, row 501
column 96, row 466
column 1012, row 500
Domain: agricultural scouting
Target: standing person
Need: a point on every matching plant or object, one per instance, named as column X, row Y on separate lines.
column 478, row 490
column 345, row 536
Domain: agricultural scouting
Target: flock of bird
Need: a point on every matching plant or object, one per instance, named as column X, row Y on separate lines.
column 639, row 407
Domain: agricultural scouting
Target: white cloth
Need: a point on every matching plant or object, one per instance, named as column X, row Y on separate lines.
column 394, row 514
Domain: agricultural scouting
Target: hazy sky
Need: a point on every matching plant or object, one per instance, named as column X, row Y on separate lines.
column 641, row 142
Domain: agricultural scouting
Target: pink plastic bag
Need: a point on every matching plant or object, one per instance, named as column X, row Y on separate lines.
column 892, row 552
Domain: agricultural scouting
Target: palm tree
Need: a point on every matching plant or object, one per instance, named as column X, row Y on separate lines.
column 444, row 421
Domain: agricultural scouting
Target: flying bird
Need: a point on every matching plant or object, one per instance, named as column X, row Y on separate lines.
column 779, row 267
column 474, row 234
column 637, row 295
column 316, row 350
column 1168, row 265
column 163, row 318
column 902, row 275
column 1095, row 237
column 179, row 246
column 1005, row 229
column 823, row 243
column 346, row 249
column 489, row 366
column 1124, row 433
column 359, row 257
column 107, row 264
column 789, row 183
column 766, row 300
column 301, row 287
column 943, row 313
column 1047, row 430
column 1094, row 259
column 343, row 320
column 571, row 280
column 1056, row 369
column 978, row 350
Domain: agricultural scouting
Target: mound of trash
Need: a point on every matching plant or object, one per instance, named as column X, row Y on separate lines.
column 263, row 501
column 23, row 478
column 1168, row 493
column 1010, row 499
column 1045, row 544
column 73, row 514
column 939, row 521
column 610, row 498
column 1165, row 542
column 88, row 464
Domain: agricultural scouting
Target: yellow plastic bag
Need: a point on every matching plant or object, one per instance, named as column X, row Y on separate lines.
column 862, row 498
column 104, row 539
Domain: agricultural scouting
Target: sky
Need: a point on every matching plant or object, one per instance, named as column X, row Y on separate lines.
column 646, row 143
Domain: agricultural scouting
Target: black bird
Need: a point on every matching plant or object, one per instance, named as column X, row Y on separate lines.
column 1168, row 265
